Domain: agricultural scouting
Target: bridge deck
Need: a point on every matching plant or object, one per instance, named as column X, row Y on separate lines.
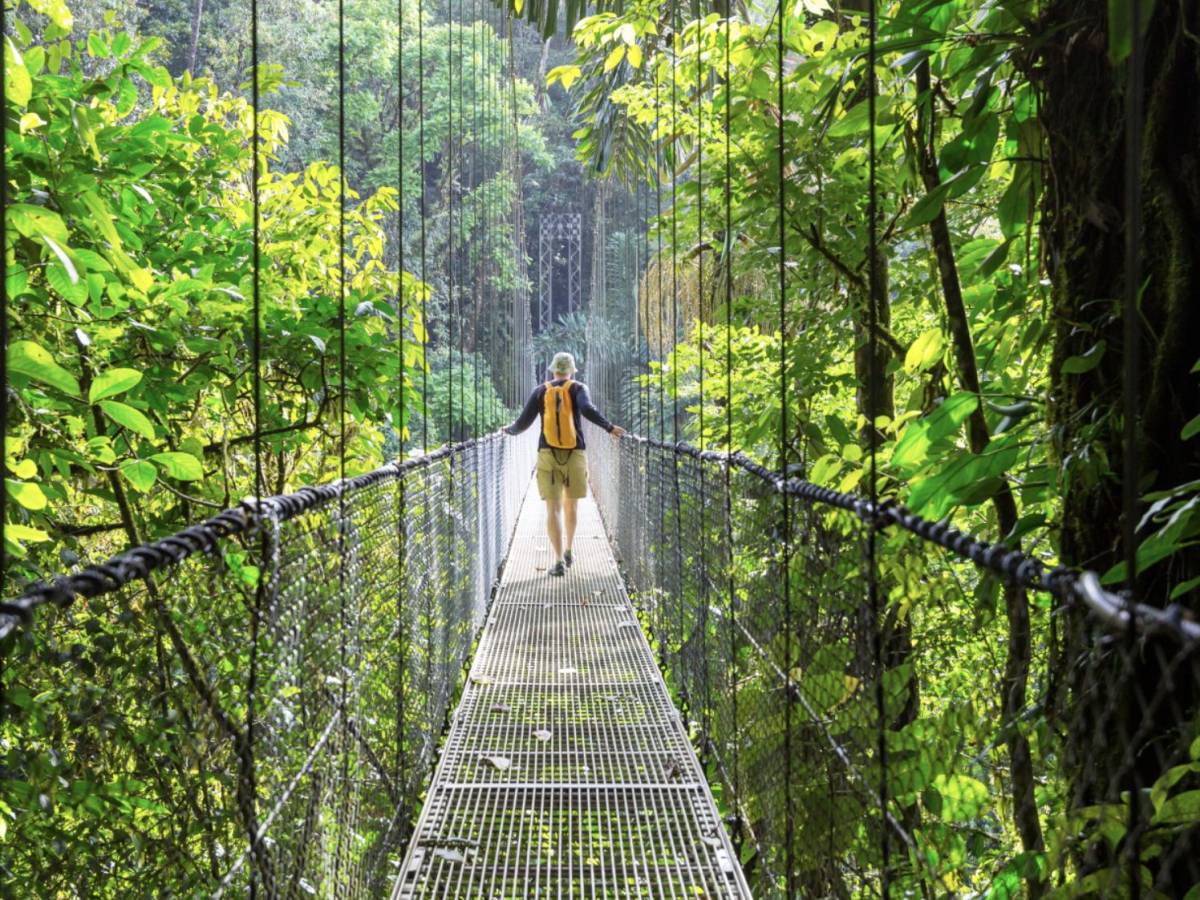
column 567, row 771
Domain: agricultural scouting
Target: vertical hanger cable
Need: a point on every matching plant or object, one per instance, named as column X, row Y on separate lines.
column 401, row 423
column 1130, row 389
column 343, row 620
column 259, row 481
column 704, row 700
column 785, row 505
column 450, row 161
column 731, row 599
column 422, row 207
column 4, row 325
column 873, row 287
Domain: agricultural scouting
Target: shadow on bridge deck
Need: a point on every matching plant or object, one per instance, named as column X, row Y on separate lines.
column 567, row 771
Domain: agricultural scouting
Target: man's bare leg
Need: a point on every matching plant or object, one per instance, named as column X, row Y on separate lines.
column 553, row 528
column 569, row 517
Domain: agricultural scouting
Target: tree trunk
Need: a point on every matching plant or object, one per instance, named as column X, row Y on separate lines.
column 539, row 85
column 1016, row 604
column 197, row 14
column 1112, row 693
column 875, row 398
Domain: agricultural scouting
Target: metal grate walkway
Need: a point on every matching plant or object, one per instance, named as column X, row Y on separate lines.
column 567, row 771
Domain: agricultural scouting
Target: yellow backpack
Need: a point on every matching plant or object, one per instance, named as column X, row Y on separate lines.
column 558, row 416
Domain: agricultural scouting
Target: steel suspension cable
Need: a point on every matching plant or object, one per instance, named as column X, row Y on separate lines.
column 247, row 761
column 343, row 623
column 450, row 161
column 424, row 238
column 873, row 299
column 4, row 325
column 425, row 292
column 731, row 599
column 706, row 703
column 785, row 503
column 1130, row 392
column 461, row 255
column 483, row 212
column 401, row 423
column 641, row 239
column 674, row 161
column 662, row 384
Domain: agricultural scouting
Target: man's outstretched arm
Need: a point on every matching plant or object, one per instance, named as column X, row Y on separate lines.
column 528, row 414
column 589, row 411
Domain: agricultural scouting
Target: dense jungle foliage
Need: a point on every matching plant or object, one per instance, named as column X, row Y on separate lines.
column 129, row 277
column 130, row 286
column 994, row 398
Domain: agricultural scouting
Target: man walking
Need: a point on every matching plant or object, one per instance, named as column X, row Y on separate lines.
column 562, row 461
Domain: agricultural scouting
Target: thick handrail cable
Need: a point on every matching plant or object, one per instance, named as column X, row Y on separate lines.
column 1070, row 585
column 138, row 563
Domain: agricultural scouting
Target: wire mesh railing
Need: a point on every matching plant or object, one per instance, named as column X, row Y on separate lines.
column 252, row 707
column 879, row 750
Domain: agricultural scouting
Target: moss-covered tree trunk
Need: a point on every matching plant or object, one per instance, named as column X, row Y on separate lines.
column 1112, row 702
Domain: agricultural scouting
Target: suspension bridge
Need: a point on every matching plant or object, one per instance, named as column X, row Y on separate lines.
column 568, row 766
column 367, row 684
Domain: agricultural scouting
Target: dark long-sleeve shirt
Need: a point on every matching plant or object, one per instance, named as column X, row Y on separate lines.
column 581, row 404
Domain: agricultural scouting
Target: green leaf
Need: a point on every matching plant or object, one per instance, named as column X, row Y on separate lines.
column 926, row 209
column 1186, row 587
column 19, row 532
column 1077, row 365
column 565, row 75
column 34, row 361
column 157, row 76
column 56, row 11
column 140, row 474
column 101, row 218
column 1182, row 809
column 994, row 260
column 919, row 437
column 31, row 121
column 126, row 97
column 925, row 351
column 180, row 466
column 72, row 290
column 838, row 429
column 97, row 47
column 852, row 122
column 133, row 419
column 18, row 86
column 113, row 382
column 37, row 222
column 27, row 494
column 1191, row 429
column 25, row 468
column 962, row 797
column 1014, row 209
column 67, row 265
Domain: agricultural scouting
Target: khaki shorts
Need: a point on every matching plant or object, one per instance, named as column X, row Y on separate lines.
column 559, row 469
